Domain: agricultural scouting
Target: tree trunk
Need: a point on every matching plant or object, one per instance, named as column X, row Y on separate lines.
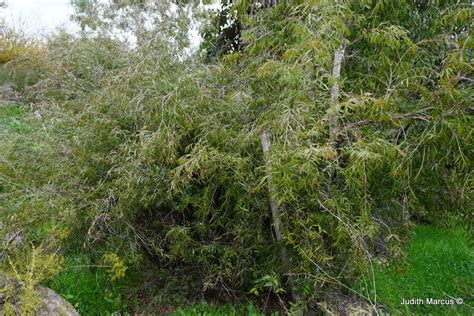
column 334, row 127
column 276, row 218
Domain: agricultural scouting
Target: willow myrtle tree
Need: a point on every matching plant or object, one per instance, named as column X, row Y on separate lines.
column 385, row 114
column 143, row 154
column 400, row 111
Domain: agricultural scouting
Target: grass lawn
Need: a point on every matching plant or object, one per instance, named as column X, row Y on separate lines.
column 88, row 289
column 205, row 309
column 439, row 265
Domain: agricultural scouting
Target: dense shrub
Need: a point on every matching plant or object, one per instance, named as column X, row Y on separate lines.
column 21, row 59
column 146, row 154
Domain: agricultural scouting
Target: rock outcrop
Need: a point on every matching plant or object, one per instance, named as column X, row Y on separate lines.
column 51, row 302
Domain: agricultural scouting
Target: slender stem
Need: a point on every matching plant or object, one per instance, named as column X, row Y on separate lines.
column 334, row 127
column 276, row 215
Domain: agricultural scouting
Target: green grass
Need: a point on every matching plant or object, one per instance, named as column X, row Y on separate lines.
column 12, row 119
column 91, row 292
column 87, row 288
column 206, row 309
column 439, row 264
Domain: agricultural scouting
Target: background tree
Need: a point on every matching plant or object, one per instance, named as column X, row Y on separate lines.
column 140, row 21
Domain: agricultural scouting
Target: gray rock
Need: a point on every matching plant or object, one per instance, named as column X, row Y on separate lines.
column 51, row 302
column 14, row 238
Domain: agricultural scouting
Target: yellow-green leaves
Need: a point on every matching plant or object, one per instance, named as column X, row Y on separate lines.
column 389, row 37
column 116, row 267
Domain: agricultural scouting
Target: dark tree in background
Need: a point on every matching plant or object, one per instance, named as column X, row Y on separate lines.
column 222, row 35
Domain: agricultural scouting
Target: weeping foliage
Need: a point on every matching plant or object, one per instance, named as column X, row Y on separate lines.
column 143, row 154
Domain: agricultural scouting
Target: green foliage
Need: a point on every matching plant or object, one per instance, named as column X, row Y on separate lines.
column 439, row 264
column 140, row 153
column 11, row 119
column 29, row 266
column 88, row 288
column 21, row 59
column 17, row 46
column 268, row 283
column 205, row 309
column 221, row 35
column 140, row 22
column 117, row 268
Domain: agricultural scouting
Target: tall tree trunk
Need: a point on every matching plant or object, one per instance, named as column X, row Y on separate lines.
column 276, row 217
column 334, row 127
